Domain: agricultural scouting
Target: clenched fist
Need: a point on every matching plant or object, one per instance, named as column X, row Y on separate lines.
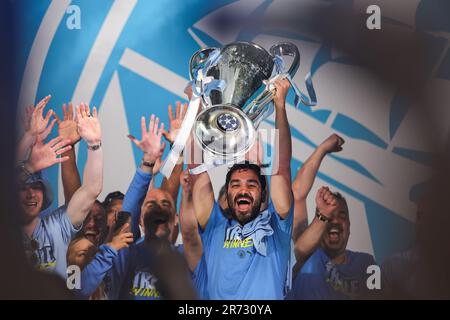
column 326, row 202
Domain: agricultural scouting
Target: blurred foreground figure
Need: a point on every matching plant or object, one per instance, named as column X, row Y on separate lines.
column 18, row 280
column 401, row 57
column 422, row 271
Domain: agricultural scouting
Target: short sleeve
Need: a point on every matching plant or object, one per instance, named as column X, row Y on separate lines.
column 283, row 225
column 214, row 219
column 58, row 222
column 200, row 279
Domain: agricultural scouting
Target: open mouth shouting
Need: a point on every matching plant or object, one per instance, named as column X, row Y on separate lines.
column 158, row 217
column 91, row 235
column 160, row 220
column 334, row 232
column 243, row 203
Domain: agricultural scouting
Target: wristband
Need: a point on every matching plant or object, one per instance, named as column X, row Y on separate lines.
column 94, row 147
column 321, row 217
column 23, row 169
column 148, row 164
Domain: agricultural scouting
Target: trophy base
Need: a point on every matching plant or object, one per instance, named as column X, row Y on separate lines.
column 224, row 131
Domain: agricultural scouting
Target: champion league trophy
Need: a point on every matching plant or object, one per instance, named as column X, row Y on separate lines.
column 233, row 85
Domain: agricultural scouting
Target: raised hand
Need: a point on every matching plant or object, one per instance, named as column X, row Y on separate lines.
column 37, row 122
column 150, row 142
column 122, row 239
column 175, row 123
column 45, row 155
column 68, row 127
column 44, row 134
column 88, row 125
column 186, row 182
column 326, row 202
column 281, row 90
column 332, row 144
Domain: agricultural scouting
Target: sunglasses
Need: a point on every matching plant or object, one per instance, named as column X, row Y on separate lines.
column 31, row 251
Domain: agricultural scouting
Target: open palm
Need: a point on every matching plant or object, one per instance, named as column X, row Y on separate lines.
column 150, row 142
column 175, row 122
column 68, row 127
column 88, row 125
column 38, row 123
column 45, row 155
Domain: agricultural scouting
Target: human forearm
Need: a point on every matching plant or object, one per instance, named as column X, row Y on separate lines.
column 70, row 176
column 134, row 197
column 202, row 198
column 189, row 232
column 300, row 222
column 284, row 143
column 280, row 183
column 93, row 173
column 24, row 145
column 172, row 185
column 188, row 220
column 304, row 179
column 82, row 200
column 309, row 240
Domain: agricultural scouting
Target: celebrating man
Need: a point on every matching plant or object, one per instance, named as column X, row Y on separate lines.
column 246, row 256
column 326, row 268
column 47, row 239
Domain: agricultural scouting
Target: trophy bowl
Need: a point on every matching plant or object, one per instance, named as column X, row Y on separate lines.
column 227, row 125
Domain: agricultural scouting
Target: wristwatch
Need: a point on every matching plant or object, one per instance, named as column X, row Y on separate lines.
column 94, row 147
column 148, row 164
column 23, row 171
column 322, row 217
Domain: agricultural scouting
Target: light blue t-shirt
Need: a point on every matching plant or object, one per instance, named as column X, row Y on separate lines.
column 320, row 279
column 53, row 233
column 235, row 270
column 200, row 279
column 130, row 278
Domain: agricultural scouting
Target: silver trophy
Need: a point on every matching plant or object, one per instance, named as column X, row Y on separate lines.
column 234, row 85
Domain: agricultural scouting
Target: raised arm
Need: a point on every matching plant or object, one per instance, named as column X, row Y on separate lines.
column 34, row 124
column 202, row 190
column 151, row 146
column 192, row 242
column 69, row 172
column 256, row 153
column 280, row 182
column 172, row 185
column 304, row 181
column 90, row 131
column 305, row 245
column 45, row 155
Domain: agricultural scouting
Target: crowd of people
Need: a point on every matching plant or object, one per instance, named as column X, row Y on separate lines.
column 252, row 241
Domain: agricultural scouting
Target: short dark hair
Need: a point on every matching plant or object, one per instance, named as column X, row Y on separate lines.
column 246, row 166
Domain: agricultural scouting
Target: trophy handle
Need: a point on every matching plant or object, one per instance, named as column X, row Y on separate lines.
column 198, row 60
column 287, row 49
column 258, row 109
